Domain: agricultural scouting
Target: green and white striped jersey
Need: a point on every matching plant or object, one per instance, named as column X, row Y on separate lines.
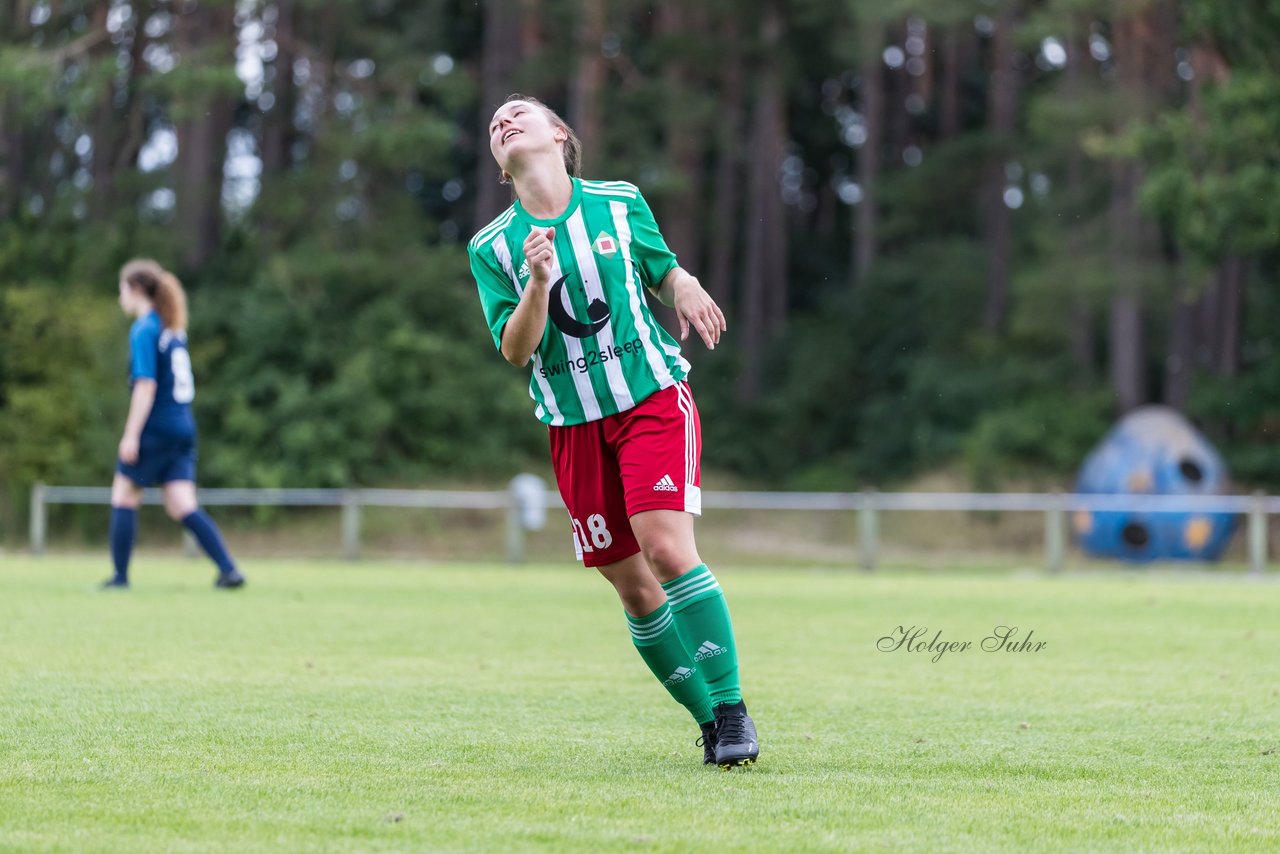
column 602, row 352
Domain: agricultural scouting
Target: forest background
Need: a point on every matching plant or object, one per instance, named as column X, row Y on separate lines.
column 962, row 235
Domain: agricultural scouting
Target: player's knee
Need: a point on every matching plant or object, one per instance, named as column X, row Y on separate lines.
column 641, row 601
column 667, row 555
column 179, row 510
column 125, row 497
column 638, row 590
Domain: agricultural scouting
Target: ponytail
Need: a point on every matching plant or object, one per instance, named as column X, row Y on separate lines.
column 171, row 302
column 162, row 288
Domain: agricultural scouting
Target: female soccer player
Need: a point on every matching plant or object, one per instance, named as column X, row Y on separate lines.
column 159, row 442
column 610, row 384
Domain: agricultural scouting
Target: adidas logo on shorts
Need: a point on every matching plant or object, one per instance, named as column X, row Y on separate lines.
column 708, row 650
column 666, row 485
column 678, row 675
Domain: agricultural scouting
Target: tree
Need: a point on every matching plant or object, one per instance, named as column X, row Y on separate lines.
column 584, row 88
column 764, row 263
column 727, row 181
column 501, row 54
column 202, row 90
column 1129, row 235
column 871, row 102
column 279, row 133
column 1002, row 93
column 683, row 132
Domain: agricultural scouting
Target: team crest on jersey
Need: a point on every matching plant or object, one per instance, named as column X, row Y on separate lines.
column 524, row 270
column 605, row 245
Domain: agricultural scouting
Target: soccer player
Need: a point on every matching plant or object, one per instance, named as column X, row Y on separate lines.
column 159, row 442
column 562, row 275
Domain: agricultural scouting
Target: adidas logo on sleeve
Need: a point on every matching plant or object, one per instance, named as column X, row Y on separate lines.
column 666, row 485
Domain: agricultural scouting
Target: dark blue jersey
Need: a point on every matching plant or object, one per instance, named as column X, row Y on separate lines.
column 160, row 354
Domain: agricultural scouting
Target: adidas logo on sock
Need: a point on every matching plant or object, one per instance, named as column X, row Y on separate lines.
column 708, row 650
column 666, row 485
column 678, row 675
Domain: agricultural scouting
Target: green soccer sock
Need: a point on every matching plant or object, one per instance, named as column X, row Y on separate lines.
column 702, row 616
column 659, row 644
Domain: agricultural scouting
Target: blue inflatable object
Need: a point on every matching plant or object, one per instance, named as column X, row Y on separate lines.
column 1153, row 450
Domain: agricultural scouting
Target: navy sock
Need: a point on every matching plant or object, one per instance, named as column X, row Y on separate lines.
column 207, row 535
column 124, row 529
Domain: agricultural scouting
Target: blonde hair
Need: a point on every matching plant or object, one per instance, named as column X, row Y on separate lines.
column 161, row 287
column 572, row 145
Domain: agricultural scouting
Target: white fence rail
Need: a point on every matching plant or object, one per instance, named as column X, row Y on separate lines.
column 526, row 500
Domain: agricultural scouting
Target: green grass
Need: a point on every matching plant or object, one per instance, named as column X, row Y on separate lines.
column 452, row 707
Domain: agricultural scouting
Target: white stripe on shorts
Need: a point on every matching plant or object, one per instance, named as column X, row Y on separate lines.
column 692, row 494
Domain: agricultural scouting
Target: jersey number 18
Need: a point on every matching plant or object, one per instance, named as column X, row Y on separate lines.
column 600, row 535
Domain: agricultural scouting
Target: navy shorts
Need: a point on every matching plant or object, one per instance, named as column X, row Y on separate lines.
column 161, row 460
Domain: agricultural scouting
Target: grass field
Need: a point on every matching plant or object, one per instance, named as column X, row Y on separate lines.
column 454, row 707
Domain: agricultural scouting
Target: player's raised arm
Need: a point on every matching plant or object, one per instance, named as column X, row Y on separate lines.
column 528, row 323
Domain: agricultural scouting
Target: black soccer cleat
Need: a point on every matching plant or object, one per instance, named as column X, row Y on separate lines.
column 230, row 581
column 735, row 736
column 114, row 583
column 708, row 742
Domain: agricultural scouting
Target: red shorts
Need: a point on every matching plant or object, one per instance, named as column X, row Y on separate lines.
column 646, row 458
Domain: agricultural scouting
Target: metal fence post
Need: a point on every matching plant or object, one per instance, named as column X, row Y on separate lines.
column 515, row 525
column 1258, row 534
column 39, row 519
column 868, row 530
column 526, row 511
column 1055, row 534
column 351, row 524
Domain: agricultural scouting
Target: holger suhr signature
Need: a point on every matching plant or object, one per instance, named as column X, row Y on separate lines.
column 913, row 639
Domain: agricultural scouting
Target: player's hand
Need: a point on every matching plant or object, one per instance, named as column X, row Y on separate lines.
column 128, row 449
column 695, row 307
column 539, row 252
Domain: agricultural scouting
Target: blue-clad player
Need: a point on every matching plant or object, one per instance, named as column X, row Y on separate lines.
column 159, row 442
